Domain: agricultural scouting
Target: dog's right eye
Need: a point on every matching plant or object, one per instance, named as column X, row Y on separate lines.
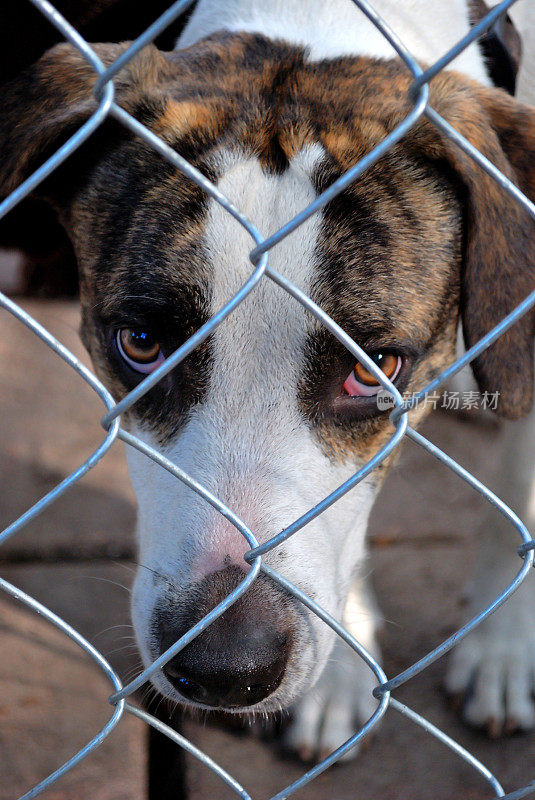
column 361, row 383
column 139, row 349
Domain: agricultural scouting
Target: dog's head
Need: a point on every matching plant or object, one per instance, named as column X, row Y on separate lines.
column 271, row 413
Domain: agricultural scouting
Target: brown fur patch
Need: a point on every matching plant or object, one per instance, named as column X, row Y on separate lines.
column 179, row 118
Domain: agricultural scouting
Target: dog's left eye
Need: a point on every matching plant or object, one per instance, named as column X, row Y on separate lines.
column 361, row 383
column 139, row 348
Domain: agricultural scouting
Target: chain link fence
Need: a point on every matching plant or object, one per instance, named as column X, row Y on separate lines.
column 262, row 271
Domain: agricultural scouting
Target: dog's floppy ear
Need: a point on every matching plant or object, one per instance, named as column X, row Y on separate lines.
column 499, row 268
column 48, row 101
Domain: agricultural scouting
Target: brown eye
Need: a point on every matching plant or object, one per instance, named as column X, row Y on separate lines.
column 139, row 349
column 388, row 362
column 361, row 383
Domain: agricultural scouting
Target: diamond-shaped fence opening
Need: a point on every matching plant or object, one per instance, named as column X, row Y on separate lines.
column 261, row 271
column 42, row 445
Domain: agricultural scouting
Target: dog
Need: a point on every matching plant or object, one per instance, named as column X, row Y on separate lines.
column 273, row 102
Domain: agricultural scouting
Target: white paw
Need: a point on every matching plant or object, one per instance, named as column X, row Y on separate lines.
column 333, row 711
column 493, row 670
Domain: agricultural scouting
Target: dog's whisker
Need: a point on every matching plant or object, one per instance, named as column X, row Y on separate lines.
column 132, row 673
column 130, row 639
column 111, row 628
column 104, row 580
column 131, row 648
column 124, row 565
column 162, row 699
column 167, row 578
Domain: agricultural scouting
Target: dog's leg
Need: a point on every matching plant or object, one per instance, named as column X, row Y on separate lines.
column 493, row 669
column 342, row 699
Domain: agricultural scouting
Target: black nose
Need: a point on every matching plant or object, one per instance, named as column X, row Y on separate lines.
column 234, row 677
column 241, row 657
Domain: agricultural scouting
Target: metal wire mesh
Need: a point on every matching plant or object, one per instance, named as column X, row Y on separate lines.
column 262, row 271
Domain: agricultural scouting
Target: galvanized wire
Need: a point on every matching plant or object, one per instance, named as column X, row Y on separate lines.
column 262, row 271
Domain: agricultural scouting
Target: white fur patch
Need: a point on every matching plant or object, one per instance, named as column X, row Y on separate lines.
column 333, row 28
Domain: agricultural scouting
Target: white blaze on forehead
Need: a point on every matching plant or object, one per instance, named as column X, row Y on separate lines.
column 267, row 331
column 251, row 405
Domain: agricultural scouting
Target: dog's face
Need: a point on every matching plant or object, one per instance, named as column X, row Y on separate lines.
column 271, row 414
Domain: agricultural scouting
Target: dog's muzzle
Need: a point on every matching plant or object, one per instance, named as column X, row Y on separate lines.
column 241, row 658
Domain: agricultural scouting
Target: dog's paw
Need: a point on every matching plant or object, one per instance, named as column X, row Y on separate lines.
column 492, row 675
column 333, row 711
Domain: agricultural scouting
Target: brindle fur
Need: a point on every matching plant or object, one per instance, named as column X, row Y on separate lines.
column 425, row 232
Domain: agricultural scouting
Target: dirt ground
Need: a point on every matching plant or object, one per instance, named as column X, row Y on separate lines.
column 78, row 558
